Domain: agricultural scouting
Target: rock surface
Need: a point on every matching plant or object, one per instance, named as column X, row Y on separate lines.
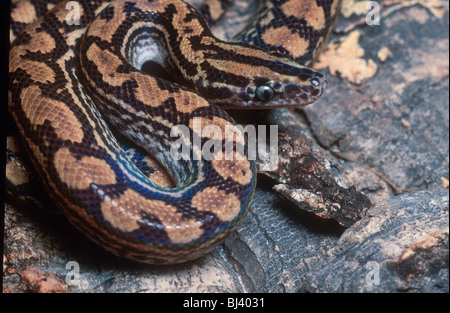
column 400, row 245
column 382, row 127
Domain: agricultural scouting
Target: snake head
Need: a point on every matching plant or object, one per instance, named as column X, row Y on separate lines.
column 251, row 78
column 285, row 84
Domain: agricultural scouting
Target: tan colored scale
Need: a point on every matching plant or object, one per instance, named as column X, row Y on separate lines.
column 297, row 46
column 24, row 12
column 207, row 199
column 198, row 123
column 42, row 109
column 234, row 167
column 41, row 41
column 314, row 14
column 105, row 29
column 38, row 71
column 80, row 174
column 125, row 212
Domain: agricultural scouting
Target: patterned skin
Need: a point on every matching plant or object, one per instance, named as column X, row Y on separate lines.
column 62, row 75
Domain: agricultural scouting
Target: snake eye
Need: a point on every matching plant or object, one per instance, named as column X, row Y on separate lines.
column 265, row 93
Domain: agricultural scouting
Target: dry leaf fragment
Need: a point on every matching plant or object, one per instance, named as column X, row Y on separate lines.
column 346, row 59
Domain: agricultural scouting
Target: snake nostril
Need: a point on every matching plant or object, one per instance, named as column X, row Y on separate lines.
column 315, row 92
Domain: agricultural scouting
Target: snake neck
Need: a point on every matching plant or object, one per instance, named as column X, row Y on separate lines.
column 175, row 35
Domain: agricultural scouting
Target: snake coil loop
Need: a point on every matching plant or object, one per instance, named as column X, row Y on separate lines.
column 66, row 79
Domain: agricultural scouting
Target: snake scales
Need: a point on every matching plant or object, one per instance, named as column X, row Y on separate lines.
column 66, row 78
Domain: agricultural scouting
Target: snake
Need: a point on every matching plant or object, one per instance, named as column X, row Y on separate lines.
column 77, row 86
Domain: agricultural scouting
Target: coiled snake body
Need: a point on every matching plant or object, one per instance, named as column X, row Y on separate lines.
column 67, row 76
